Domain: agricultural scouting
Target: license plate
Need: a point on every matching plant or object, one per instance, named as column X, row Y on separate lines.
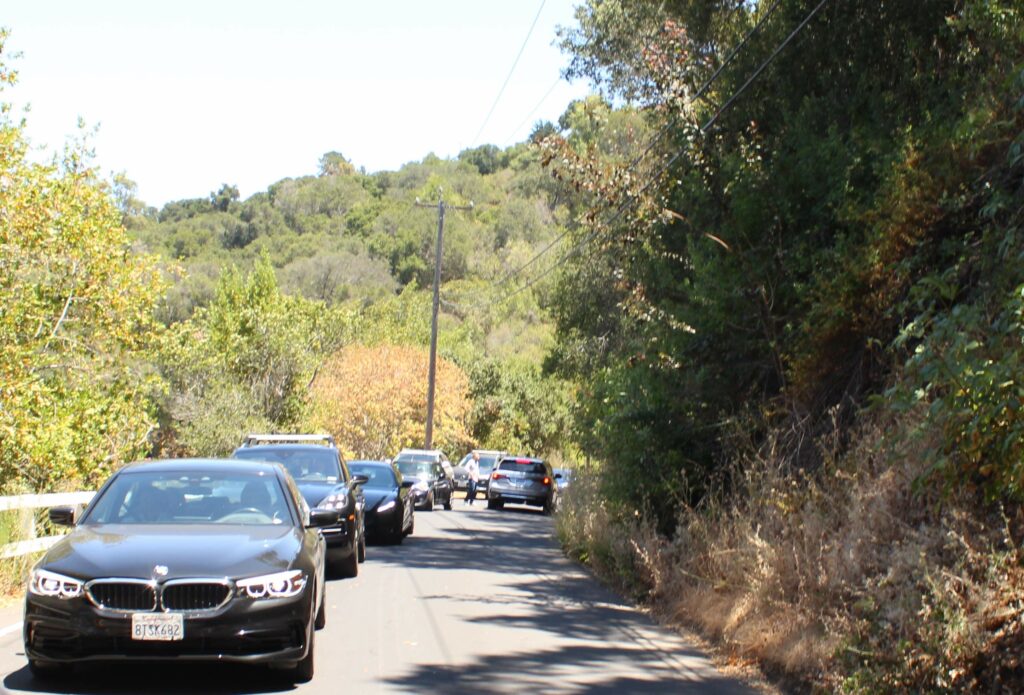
column 161, row 627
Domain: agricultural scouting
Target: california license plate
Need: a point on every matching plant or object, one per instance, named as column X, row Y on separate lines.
column 160, row 627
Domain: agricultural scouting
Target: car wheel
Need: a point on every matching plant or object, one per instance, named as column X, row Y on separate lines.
column 304, row 669
column 412, row 526
column 361, row 550
column 428, row 506
column 321, row 615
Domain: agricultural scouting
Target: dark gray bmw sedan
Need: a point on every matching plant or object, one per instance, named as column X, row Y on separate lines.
column 183, row 560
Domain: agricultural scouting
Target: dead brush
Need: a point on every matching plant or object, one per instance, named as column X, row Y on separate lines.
column 853, row 577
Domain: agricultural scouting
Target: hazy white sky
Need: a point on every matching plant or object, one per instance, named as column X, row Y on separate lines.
column 191, row 94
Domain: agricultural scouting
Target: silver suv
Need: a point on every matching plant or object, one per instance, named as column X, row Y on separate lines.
column 523, row 480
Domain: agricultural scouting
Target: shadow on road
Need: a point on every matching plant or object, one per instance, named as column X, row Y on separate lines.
column 601, row 643
column 512, row 541
column 158, row 679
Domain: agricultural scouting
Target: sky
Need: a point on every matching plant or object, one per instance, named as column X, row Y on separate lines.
column 189, row 95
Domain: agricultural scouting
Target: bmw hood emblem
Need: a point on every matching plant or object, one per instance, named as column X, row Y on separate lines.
column 160, row 571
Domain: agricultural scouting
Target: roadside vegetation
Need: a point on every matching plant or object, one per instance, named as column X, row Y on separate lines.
column 808, row 403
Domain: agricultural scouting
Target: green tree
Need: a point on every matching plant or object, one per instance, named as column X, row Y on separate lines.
column 77, row 325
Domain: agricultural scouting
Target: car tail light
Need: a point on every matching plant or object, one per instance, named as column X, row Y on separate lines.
column 497, row 476
column 547, row 480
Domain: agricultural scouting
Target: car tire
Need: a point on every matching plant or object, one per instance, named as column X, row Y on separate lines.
column 361, row 548
column 49, row 670
column 448, row 502
column 321, row 615
column 495, row 504
column 304, row 669
column 412, row 527
column 428, row 506
column 349, row 567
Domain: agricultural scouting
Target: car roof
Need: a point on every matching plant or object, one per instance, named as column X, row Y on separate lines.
column 370, row 462
column 200, row 465
column 432, row 452
column 254, row 439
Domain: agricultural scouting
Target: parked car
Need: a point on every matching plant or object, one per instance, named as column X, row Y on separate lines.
column 523, row 480
column 488, row 459
column 430, row 475
column 389, row 512
column 325, row 481
column 564, row 476
column 212, row 560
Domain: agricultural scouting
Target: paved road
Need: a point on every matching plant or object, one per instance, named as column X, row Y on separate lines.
column 476, row 601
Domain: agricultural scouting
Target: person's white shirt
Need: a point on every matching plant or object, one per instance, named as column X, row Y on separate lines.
column 473, row 470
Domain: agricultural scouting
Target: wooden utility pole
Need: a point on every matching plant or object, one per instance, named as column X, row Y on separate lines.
column 431, row 378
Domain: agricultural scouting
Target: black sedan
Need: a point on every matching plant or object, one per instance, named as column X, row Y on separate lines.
column 429, row 482
column 183, row 560
column 324, row 481
column 389, row 511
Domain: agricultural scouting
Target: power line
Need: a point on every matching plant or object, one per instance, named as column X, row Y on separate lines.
column 534, row 109
column 633, row 198
column 501, row 91
column 701, row 91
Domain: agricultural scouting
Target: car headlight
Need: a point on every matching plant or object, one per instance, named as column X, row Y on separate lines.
column 277, row 585
column 45, row 583
column 390, row 504
column 338, row 500
column 421, row 486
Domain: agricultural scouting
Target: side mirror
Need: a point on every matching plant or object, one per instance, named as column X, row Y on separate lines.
column 408, row 483
column 62, row 516
column 557, row 476
column 359, row 479
column 320, row 517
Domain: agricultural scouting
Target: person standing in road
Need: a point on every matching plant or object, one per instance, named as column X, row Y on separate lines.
column 473, row 471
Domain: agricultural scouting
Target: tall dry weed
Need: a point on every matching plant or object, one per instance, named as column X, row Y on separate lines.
column 850, row 578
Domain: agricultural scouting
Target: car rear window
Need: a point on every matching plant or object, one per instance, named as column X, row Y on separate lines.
column 522, row 466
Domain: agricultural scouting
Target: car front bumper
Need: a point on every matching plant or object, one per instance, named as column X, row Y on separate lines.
column 388, row 521
column 247, row 631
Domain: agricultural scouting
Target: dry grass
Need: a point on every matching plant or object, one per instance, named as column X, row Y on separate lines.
column 852, row 578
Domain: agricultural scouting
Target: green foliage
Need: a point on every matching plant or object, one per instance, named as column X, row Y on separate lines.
column 517, row 409
column 244, row 362
column 76, row 324
column 771, row 268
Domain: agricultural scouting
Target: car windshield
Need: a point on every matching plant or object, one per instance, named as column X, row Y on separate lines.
column 315, row 464
column 486, row 461
column 427, row 458
column 192, row 497
column 378, row 476
column 417, row 469
column 522, row 466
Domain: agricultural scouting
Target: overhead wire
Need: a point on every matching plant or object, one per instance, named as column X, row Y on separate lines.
column 533, row 110
column 504, row 84
column 701, row 91
column 633, row 198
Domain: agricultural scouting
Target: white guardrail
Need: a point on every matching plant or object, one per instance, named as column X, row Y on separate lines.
column 28, row 502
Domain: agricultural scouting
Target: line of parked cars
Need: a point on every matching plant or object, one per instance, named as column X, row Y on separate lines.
column 227, row 559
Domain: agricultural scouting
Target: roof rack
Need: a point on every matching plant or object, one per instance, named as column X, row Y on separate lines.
column 256, row 439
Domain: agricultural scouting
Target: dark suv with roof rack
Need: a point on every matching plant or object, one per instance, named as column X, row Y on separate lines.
column 324, row 480
column 523, row 480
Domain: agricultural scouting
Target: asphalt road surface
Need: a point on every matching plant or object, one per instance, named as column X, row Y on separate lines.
column 475, row 601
